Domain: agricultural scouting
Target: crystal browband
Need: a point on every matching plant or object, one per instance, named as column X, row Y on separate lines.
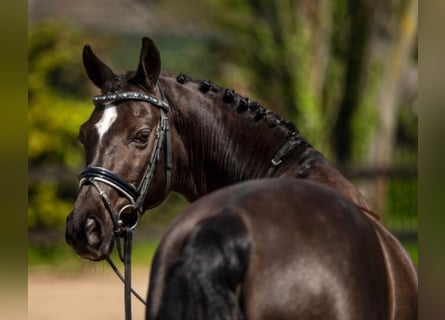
column 110, row 98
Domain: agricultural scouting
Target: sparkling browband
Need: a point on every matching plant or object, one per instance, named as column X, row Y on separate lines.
column 109, row 98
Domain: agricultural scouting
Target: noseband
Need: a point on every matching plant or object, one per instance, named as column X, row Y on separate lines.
column 128, row 216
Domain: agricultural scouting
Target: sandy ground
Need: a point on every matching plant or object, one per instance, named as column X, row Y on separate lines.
column 89, row 294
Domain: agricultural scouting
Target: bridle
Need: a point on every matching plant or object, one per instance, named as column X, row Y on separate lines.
column 126, row 219
column 135, row 195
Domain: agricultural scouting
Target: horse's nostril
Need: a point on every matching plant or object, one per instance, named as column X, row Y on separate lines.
column 93, row 232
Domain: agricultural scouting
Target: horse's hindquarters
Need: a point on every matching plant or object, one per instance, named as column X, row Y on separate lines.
column 315, row 256
column 311, row 255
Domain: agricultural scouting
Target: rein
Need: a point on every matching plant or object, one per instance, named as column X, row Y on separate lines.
column 127, row 218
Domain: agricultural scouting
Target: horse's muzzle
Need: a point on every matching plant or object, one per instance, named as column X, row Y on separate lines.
column 88, row 237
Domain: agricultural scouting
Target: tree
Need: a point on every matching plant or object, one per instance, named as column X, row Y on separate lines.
column 396, row 57
column 335, row 68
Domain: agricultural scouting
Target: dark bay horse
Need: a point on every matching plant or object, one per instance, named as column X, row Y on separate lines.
column 150, row 134
column 280, row 249
column 210, row 138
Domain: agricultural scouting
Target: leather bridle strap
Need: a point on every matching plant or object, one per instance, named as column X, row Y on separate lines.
column 126, row 279
column 136, row 196
column 127, row 283
column 281, row 154
column 163, row 138
column 122, row 278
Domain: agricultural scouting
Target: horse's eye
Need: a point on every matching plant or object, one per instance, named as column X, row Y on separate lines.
column 142, row 136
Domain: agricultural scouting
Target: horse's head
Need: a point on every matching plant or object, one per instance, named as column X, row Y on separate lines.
column 126, row 172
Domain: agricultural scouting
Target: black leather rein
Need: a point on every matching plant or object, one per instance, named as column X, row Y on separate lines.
column 126, row 219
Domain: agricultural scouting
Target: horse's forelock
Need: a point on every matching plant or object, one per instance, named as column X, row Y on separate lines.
column 118, row 83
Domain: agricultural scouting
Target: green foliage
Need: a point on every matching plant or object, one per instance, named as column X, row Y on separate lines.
column 54, row 123
column 413, row 250
column 57, row 106
column 57, row 88
column 45, row 206
column 54, row 60
column 61, row 257
column 365, row 120
column 56, row 256
column 402, row 205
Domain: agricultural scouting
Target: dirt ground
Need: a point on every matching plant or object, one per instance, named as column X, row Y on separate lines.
column 91, row 294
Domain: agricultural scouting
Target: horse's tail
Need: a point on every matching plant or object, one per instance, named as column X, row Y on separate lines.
column 203, row 284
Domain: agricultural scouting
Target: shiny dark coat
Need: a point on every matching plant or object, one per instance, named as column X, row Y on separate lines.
column 218, row 138
column 280, row 249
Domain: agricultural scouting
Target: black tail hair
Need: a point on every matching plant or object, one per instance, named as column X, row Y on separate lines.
column 203, row 284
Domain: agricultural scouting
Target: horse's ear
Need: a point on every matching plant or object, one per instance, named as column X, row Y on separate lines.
column 149, row 65
column 97, row 71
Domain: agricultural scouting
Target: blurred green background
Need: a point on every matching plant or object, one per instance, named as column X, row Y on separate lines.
column 345, row 72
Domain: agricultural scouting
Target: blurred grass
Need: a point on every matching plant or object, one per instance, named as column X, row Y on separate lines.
column 61, row 258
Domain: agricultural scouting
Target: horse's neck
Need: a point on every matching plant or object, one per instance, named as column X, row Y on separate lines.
column 219, row 146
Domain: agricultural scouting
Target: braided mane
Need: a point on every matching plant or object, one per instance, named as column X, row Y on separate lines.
column 243, row 104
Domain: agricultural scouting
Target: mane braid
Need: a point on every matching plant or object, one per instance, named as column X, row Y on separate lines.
column 182, row 78
column 117, row 83
column 243, row 104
